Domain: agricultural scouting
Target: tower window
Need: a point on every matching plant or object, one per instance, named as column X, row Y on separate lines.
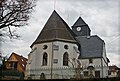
column 66, row 46
column 65, row 59
column 45, row 56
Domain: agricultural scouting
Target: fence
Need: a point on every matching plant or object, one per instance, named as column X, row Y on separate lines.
column 12, row 74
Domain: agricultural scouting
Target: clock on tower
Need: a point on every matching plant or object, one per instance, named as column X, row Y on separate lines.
column 78, row 28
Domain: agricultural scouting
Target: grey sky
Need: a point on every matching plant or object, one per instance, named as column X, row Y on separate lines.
column 102, row 16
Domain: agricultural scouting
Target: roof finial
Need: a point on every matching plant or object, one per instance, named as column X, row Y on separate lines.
column 68, row 18
column 54, row 4
column 80, row 13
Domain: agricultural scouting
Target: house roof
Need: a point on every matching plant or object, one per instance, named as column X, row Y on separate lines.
column 55, row 29
column 91, row 46
column 114, row 68
column 20, row 59
column 79, row 22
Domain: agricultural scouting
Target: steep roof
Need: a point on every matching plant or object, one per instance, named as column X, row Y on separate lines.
column 79, row 22
column 55, row 29
column 91, row 46
column 20, row 59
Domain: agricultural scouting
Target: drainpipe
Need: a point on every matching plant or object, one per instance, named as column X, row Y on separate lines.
column 52, row 61
column 102, row 67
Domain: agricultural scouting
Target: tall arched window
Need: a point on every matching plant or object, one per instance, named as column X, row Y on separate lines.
column 65, row 59
column 45, row 57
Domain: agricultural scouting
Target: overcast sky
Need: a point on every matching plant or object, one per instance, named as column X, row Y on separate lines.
column 102, row 16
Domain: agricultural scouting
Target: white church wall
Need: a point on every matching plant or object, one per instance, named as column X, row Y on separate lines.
column 55, row 50
column 40, row 52
column 58, row 54
column 105, row 69
column 105, row 63
column 96, row 64
column 104, row 54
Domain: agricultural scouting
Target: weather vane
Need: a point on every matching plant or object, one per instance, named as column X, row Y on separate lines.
column 54, row 4
column 80, row 13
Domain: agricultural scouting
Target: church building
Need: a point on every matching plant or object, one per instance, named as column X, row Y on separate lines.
column 62, row 53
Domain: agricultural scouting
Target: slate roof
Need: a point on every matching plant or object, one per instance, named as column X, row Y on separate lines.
column 55, row 29
column 91, row 46
column 79, row 22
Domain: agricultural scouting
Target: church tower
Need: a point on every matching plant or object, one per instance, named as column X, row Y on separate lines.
column 54, row 50
column 92, row 51
column 80, row 28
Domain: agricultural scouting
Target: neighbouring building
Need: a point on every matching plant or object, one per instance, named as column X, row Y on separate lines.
column 114, row 71
column 16, row 62
column 62, row 53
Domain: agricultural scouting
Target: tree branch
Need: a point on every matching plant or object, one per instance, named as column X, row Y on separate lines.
column 10, row 32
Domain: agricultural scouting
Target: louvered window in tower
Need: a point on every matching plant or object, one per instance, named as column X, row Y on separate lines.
column 45, row 56
column 65, row 59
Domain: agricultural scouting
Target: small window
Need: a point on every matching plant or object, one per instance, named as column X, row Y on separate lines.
column 55, row 61
column 22, row 59
column 12, row 59
column 66, row 46
column 97, row 74
column 86, row 73
column 55, row 47
column 42, row 76
column 45, row 47
column 90, row 60
column 23, row 65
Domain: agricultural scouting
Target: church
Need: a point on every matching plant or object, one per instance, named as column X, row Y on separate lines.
column 61, row 52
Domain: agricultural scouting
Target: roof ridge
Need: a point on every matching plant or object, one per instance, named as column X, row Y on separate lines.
column 19, row 55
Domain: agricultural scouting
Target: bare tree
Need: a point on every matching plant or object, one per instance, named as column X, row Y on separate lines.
column 15, row 13
column 77, row 67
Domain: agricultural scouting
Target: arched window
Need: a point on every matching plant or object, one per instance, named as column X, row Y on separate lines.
column 45, row 56
column 65, row 59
